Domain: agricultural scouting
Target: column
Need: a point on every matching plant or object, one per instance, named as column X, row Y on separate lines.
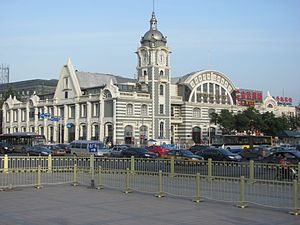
column 77, row 110
column 88, row 120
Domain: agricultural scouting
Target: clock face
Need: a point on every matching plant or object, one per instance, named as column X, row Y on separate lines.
column 161, row 58
column 144, row 58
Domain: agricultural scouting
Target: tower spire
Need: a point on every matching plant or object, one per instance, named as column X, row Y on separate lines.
column 153, row 22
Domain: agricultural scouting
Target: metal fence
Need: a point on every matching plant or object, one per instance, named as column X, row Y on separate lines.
column 241, row 184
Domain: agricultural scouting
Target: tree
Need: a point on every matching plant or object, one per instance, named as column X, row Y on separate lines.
column 227, row 121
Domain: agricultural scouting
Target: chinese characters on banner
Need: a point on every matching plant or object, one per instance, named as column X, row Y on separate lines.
column 283, row 100
column 248, row 97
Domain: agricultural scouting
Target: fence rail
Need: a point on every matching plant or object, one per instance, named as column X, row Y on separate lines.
column 241, row 184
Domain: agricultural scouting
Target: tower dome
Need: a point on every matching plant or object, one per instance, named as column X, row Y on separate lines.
column 153, row 37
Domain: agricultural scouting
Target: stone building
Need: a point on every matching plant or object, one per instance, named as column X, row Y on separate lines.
column 113, row 108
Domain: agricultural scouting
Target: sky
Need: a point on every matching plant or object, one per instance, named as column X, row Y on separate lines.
column 256, row 44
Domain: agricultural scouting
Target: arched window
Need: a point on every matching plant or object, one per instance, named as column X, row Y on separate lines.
column 107, row 94
column 145, row 72
column 270, row 106
column 196, row 112
column 161, row 89
column 196, row 135
column 210, row 112
column 82, row 132
column 129, row 109
column 128, row 134
column 161, row 130
column 161, row 73
column 95, row 131
column 144, row 110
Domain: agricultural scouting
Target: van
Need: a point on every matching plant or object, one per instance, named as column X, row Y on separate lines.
column 85, row 148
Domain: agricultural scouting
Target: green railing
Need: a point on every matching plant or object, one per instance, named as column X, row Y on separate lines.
column 241, row 184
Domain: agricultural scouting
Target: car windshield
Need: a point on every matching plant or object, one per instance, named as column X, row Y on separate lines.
column 225, row 152
column 186, row 152
column 297, row 154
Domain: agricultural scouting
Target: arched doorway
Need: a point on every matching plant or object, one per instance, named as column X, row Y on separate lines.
column 82, row 132
column 196, row 135
column 71, row 132
column 211, row 134
column 128, row 135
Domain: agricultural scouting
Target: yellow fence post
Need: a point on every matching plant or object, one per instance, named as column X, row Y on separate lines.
column 127, row 189
column 100, row 185
column 209, row 169
column 38, row 185
column 172, row 166
column 5, row 164
column 198, row 193
column 251, row 171
column 298, row 173
column 242, row 203
column 49, row 164
column 296, row 210
column 132, row 164
column 75, row 183
column 160, row 185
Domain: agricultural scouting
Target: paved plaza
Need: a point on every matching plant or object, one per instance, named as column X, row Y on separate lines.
column 67, row 205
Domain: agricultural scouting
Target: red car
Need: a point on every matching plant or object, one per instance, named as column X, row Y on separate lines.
column 158, row 150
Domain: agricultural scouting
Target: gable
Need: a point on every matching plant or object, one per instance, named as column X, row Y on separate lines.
column 67, row 83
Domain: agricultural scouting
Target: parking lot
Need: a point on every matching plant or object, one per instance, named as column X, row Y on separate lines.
column 66, row 205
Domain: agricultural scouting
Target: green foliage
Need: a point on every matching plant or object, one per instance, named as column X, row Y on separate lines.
column 252, row 121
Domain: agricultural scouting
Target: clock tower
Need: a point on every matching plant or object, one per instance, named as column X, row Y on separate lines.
column 154, row 72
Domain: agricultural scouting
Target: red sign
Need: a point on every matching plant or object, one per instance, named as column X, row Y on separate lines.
column 248, row 97
column 283, row 100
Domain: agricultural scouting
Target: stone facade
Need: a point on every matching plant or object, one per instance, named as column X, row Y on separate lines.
column 121, row 110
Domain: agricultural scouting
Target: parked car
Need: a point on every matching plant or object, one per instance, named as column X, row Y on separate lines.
column 256, row 153
column 117, row 150
column 38, row 150
column 196, row 148
column 138, row 153
column 6, row 148
column 158, row 150
column 219, row 154
column 103, row 151
column 182, row 154
column 56, row 150
column 293, row 157
column 67, row 147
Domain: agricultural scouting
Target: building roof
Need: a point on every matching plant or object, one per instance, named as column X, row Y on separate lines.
column 88, row 80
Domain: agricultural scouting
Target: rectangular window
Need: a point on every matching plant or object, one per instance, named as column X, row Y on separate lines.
column 83, row 110
column 72, row 111
column 161, row 109
column 66, row 94
column 7, row 116
column 23, row 115
column 95, row 109
column 66, row 86
column 62, row 112
column 15, row 114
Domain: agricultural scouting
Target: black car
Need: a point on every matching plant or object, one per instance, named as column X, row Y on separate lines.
column 219, row 154
column 6, row 148
column 67, row 147
column 138, row 153
column 292, row 156
column 196, row 148
column 182, row 154
column 256, row 153
column 38, row 150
